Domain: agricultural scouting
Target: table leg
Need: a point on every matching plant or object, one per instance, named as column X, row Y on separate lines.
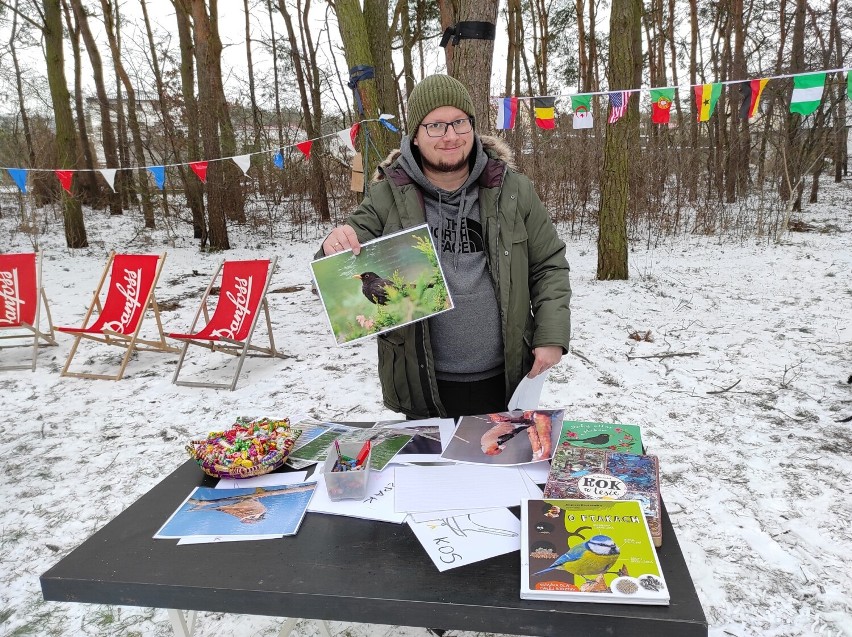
column 182, row 624
column 290, row 624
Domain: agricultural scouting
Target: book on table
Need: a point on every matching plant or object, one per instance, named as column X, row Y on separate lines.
column 602, row 435
column 589, row 551
column 601, row 474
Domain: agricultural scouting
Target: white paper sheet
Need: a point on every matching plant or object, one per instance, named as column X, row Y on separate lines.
column 528, row 392
column 378, row 505
column 537, row 471
column 210, row 539
column 268, row 480
column 428, row 516
column 461, row 486
column 467, row 538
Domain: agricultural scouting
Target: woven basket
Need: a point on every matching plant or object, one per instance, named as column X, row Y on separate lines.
column 249, row 448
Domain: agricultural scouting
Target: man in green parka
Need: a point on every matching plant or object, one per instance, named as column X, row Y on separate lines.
column 503, row 261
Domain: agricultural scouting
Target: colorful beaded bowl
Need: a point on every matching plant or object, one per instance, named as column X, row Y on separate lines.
column 249, row 448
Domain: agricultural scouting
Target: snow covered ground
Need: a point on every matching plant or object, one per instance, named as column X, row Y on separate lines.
column 744, row 414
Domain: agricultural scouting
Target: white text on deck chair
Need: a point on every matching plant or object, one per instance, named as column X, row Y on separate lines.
column 242, row 296
column 129, row 295
column 21, row 297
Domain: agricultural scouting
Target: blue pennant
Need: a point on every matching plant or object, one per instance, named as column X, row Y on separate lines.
column 20, row 177
column 389, row 126
column 159, row 173
column 279, row 160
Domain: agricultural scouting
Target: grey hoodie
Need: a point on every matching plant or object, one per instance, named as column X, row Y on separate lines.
column 467, row 341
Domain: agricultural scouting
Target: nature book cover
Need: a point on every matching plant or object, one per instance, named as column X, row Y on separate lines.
column 598, row 474
column 602, row 435
column 589, row 551
column 505, row 438
column 274, row 510
column 395, row 280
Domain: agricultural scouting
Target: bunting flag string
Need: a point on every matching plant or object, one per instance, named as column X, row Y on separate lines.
column 808, row 89
column 346, row 138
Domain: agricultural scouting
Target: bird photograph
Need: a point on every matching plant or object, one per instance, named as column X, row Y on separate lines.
column 588, row 560
column 393, row 281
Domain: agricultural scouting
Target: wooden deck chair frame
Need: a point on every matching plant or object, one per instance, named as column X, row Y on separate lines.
column 9, row 289
column 226, row 345
column 131, row 342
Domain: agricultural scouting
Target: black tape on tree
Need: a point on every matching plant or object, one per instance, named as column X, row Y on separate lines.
column 468, row 31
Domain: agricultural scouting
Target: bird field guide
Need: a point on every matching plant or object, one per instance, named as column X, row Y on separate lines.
column 395, row 280
column 589, row 551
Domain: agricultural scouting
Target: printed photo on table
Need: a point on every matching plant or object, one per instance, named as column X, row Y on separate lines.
column 506, row 438
column 394, row 281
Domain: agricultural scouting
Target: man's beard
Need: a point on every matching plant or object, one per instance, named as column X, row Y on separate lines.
column 445, row 167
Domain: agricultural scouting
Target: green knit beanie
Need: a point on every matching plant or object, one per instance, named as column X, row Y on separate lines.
column 434, row 92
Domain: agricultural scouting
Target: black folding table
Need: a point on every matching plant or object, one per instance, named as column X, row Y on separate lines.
column 342, row 569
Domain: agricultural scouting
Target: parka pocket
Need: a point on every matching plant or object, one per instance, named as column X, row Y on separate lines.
column 393, row 375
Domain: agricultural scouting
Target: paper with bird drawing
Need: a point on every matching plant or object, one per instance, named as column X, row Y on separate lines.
column 589, row 551
column 395, row 280
column 466, row 538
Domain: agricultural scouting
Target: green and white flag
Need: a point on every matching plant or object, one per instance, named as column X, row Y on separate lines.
column 807, row 93
column 582, row 107
column 849, row 84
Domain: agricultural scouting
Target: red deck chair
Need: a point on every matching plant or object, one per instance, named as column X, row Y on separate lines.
column 242, row 296
column 21, row 295
column 132, row 279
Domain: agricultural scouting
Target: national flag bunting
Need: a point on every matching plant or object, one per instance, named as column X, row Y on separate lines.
column 807, row 93
column 751, row 91
column 582, row 107
column 661, row 104
column 617, row 106
column 545, row 112
column 507, row 110
column 200, row 169
column 65, row 177
column 706, row 96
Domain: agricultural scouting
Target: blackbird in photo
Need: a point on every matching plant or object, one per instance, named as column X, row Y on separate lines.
column 374, row 287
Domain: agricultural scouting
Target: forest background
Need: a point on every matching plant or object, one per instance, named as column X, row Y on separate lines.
column 124, row 85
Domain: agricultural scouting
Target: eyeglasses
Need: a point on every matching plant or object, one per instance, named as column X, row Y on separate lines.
column 439, row 129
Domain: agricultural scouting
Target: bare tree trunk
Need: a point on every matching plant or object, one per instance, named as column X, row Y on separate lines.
column 107, row 130
column 792, row 175
column 41, row 192
column 132, row 115
column 194, row 188
column 355, row 34
column 256, row 119
column 692, row 178
column 615, row 189
column 319, row 195
column 472, row 59
column 840, row 137
column 66, row 143
column 275, row 86
column 87, row 187
column 205, row 60
column 233, row 195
